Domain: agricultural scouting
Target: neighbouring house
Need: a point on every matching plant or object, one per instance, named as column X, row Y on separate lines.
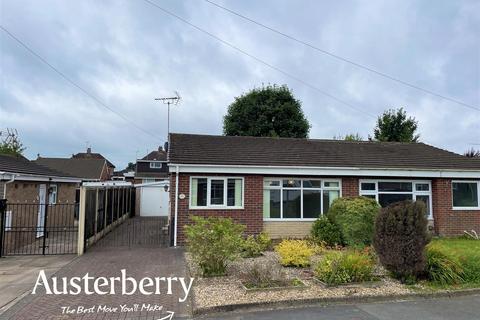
column 88, row 169
column 282, row 185
column 93, row 155
column 152, row 185
column 28, row 186
column 152, row 168
column 124, row 175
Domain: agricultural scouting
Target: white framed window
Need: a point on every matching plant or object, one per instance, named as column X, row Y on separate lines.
column 156, row 165
column 8, row 220
column 216, row 192
column 390, row 191
column 52, row 197
column 298, row 199
column 465, row 195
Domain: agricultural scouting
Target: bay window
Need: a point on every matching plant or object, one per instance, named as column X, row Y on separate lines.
column 297, row 199
column 465, row 195
column 387, row 192
column 216, row 193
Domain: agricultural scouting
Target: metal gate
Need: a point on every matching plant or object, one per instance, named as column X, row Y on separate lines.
column 38, row 228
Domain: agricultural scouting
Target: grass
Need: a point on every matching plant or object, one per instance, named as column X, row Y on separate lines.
column 468, row 253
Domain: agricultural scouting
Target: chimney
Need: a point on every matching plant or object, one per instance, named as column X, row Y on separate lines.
column 160, row 148
column 166, row 146
column 89, row 150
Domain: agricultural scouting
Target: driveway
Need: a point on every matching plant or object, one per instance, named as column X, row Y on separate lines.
column 138, row 246
column 18, row 275
column 457, row 308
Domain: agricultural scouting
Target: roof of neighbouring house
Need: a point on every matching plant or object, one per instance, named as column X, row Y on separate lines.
column 257, row 151
column 21, row 165
column 156, row 155
column 89, row 169
column 91, row 155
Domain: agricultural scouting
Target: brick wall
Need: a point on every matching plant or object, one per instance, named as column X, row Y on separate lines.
column 350, row 187
column 251, row 215
column 449, row 222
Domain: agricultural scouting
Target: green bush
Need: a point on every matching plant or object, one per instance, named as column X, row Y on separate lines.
column 400, row 239
column 443, row 268
column 294, row 253
column 213, row 242
column 325, row 231
column 338, row 267
column 253, row 246
column 355, row 216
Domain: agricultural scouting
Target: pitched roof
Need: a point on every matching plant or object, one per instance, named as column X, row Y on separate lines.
column 255, row 151
column 91, row 155
column 14, row 164
column 90, row 169
column 157, row 155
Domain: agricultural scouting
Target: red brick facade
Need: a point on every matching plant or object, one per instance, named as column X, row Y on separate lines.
column 447, row 222
column 251, row 215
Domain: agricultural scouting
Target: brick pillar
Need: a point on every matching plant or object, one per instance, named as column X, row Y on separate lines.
column 350, row 187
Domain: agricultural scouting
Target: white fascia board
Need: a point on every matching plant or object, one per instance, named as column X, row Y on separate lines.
column 162, row 161
column 119, row 183
column 30, row 177
column 325, row 171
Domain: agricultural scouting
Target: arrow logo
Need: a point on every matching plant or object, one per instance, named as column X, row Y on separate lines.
column 169, row 317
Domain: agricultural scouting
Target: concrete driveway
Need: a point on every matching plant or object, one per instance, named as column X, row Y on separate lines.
column 456, row 308
column 18, row 275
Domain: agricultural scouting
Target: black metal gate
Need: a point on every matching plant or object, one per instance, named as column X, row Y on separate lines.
column 38, row 228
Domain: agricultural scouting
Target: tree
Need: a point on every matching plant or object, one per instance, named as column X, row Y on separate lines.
column 130, row 166
column 10, row 143
column 270, row 111
column 349, row 137
column 394, row 125
column 472, row 153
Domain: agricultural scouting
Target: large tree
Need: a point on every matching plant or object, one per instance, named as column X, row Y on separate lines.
column 270, row 111
column 10, row 143
column 472, row 153
column 394, row 125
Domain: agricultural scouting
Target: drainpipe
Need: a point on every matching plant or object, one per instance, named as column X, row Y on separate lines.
column 176, row 209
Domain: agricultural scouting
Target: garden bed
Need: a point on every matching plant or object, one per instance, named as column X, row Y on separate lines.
column 229, row 290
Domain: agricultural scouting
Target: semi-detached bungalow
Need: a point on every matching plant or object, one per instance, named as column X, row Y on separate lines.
column 282, row 185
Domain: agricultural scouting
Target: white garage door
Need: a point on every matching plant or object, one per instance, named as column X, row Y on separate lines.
column 153, row 201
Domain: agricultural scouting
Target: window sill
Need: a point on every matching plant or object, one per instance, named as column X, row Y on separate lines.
column 216, row 208
column 466, row 208
column 289, row 219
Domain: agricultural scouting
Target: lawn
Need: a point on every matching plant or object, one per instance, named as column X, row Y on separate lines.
column 468, row 253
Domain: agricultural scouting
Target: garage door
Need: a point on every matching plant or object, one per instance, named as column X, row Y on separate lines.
column 153, row 201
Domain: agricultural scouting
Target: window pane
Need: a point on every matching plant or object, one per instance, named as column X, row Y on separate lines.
column 328, row 197
column 291, row 183
column 426, row 200
column 312, row 183
column 311, row 203
column 386, row 199
column 199, row 192
column 234, row 192
column 395, row 186
column 291, row 203
column 331, row 184
column 465, row 194
column 368, row 186
column 271, row 183
column 216, row 192
column 271, row 203
column 422, row 187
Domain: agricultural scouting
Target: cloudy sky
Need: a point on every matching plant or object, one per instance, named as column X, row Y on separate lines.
column 126, row 53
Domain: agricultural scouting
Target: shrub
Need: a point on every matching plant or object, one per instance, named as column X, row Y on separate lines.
column 260, row 275
column 355, row 216
column 294, row 253
column 338, row 267
column 253, row 246
column 325, row 231
column 400, row 239
column 443, row 268
column 213, row 242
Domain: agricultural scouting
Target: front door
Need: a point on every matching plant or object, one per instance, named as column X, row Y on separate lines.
column 42, row 197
